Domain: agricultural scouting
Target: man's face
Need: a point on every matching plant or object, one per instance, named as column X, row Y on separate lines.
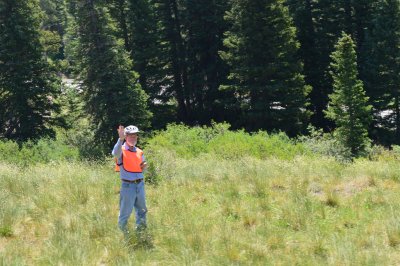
column 131, row 139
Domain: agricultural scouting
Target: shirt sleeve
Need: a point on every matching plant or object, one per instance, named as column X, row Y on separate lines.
column 117, row 150
column 143, row 160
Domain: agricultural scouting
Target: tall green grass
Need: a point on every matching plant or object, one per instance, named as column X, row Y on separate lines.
column 208, row 212
column 221, row 198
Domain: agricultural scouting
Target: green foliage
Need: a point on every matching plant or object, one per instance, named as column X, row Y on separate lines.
column 79, row 132
column 380, row 153
column 216, row 142
column 224, row 144
column 204, row 21
column 163, row 56
column 142, row 36
column 260, row 145
column 396, row 150
column 348, row 106
column 111, row 91
column 54, row 15
column 53, row 26
column 72, row 106
column 265, row 71
column 82, row 138
column 319, row 24
column 380, row 69
column 28, row 85
column 43, row 151
column 325, row 144
column 189, row 35
column 6, row 231
column 51, row 42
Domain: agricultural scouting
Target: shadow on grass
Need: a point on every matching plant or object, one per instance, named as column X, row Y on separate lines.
column 140, row 240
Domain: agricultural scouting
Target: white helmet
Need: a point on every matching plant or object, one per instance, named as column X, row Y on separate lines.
column 131, row 130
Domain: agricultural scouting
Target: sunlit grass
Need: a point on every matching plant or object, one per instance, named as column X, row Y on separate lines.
column 206, row 211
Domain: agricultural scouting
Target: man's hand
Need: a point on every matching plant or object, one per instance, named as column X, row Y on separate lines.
column 143, row 165
column 121, row 132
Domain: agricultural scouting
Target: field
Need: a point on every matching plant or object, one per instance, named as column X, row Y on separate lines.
column 207, row 209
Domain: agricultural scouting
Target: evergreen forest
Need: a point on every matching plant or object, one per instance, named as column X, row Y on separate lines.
column 276, row 66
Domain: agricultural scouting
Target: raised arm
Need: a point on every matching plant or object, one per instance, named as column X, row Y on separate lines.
column 117, row 150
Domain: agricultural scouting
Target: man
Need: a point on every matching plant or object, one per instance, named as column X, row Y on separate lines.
column 131, row 163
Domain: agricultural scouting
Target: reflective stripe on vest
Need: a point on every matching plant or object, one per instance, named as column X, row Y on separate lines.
column 130, row 160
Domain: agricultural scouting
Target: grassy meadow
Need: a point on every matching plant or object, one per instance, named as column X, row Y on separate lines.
column 214, row 198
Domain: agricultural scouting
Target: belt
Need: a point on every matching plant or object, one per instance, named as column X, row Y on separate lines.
column 136, row 181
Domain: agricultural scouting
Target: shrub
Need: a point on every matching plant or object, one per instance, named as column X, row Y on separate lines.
column 182, row 142
column 231, row 145
column 85, row 143
column 380, row 153
column 187, row 142
column 325, row 144
column 396, row 150
column 42, row 151
column 192, row 142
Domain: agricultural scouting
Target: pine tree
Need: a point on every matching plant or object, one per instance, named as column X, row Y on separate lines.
column 147, row 50
column 265, row 68
column 53, row 27
column 190, row 36
column 363, row 17
column 381, row 70
column 303, row 12
column 173, row 55
column 112, row 93
column 348, row 106
column 118, row 12
column 319, row 24
column 203, row 27
column 28, row 87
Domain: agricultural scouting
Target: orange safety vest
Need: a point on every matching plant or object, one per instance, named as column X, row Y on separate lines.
column 130, row 160
column 116, row 165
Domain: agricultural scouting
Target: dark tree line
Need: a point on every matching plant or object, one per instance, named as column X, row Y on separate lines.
column 256, row 64
column 374, row 27
column 28, row 84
